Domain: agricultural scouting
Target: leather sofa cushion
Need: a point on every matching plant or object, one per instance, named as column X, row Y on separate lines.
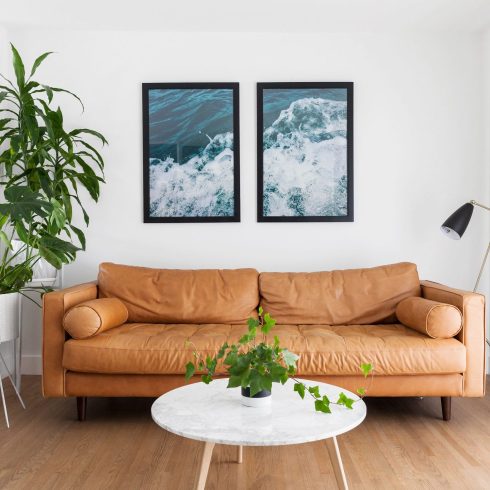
column 345, row 297
column 324, row 350
column 182, row 296
column 95, row 316
column 437, row 320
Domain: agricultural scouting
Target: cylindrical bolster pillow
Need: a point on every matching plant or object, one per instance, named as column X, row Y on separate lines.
column 92, row 317
column 437, row 320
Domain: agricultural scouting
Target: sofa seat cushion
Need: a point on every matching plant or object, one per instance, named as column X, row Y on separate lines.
column 136, row 348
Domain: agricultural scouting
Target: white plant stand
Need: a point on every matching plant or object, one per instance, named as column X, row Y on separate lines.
column 3, row 394
column 44, row 274
column 55, row 282
column 10, row 331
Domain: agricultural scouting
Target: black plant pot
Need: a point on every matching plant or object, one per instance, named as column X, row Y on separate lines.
column 260, row 399
column 260, row 394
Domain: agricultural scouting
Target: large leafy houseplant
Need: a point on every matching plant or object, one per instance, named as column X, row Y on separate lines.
column 256, row 365
column 43, row 167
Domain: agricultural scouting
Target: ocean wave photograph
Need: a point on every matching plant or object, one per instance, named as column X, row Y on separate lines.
column 191, row 153
column 304, row 170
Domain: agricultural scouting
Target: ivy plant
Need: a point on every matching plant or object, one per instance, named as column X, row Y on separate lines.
column 257, row 365
column 43, row 168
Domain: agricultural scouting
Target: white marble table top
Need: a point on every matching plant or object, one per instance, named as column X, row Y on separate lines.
column 213, row 413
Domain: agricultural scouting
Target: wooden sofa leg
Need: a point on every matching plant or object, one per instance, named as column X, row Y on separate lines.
column 82, row 408
column 446, row 407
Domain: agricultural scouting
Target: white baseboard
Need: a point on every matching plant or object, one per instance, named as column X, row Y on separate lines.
column 31, row 364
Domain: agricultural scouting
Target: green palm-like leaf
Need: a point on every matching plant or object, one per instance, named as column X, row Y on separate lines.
column 38, row 61
column 19, row 69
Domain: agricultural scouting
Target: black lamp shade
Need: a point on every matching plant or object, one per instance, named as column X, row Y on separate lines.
column 456, row 224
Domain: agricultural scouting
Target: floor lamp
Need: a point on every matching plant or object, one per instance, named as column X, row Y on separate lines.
column 455, row 226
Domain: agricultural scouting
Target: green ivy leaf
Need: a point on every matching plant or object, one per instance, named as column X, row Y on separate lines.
column 276, row 342
column 315, row 391
column 300, row 389
column 322, row 406
column 189, row 370
column 256, row 383
column 269, row 322
column 230, row 358
column 222, row 351
column 267, row 382
column 345, row 401
column 241, row 364
column 252, row 323
column 366, row 369
column 246, row 377
column 361, row 391
column 277, row 372
column 289, row 358
column 234, row 381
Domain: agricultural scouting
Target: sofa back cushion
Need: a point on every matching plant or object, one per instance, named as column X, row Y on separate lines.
column 347, row 297
column 181, row 296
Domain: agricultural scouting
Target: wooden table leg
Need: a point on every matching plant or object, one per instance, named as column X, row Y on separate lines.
column 240, row 454
column 205, row 462
column 338, row 467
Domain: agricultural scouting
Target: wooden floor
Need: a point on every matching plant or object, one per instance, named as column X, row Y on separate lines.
column 402, row 444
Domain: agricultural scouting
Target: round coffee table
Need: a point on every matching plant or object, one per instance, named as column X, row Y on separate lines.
column 214, row 414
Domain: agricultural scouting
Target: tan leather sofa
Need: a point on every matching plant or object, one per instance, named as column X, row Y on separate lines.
column 333, row 320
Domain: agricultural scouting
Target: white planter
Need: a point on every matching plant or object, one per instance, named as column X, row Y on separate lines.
column 9, row 316
column 260, row 400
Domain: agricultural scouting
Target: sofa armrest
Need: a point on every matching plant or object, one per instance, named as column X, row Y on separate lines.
column 472, row 335
column 55, row 304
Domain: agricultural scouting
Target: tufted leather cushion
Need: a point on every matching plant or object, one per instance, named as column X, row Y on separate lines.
column 324, row 350
column 345, row 297
column 437, row 320
column 93, row 317
column 182, row 296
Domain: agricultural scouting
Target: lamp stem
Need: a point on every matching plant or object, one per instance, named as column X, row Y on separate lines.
column 475, row 203
column 479, row 277
column 481, row 268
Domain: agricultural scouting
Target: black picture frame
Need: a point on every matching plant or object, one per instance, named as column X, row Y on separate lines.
column 147, row 218
column 349, row 86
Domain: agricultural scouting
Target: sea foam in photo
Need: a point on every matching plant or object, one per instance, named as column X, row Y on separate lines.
column 191, row 163
column 305, row 152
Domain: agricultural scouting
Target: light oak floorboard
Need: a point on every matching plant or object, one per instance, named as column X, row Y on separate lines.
column 403, row 443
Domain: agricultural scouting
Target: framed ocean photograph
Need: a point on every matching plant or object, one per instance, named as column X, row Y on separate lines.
column 191, row 152
column 305, row 152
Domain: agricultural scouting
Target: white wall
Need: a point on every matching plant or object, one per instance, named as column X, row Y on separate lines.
column 419, row 147
column 486, row 178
